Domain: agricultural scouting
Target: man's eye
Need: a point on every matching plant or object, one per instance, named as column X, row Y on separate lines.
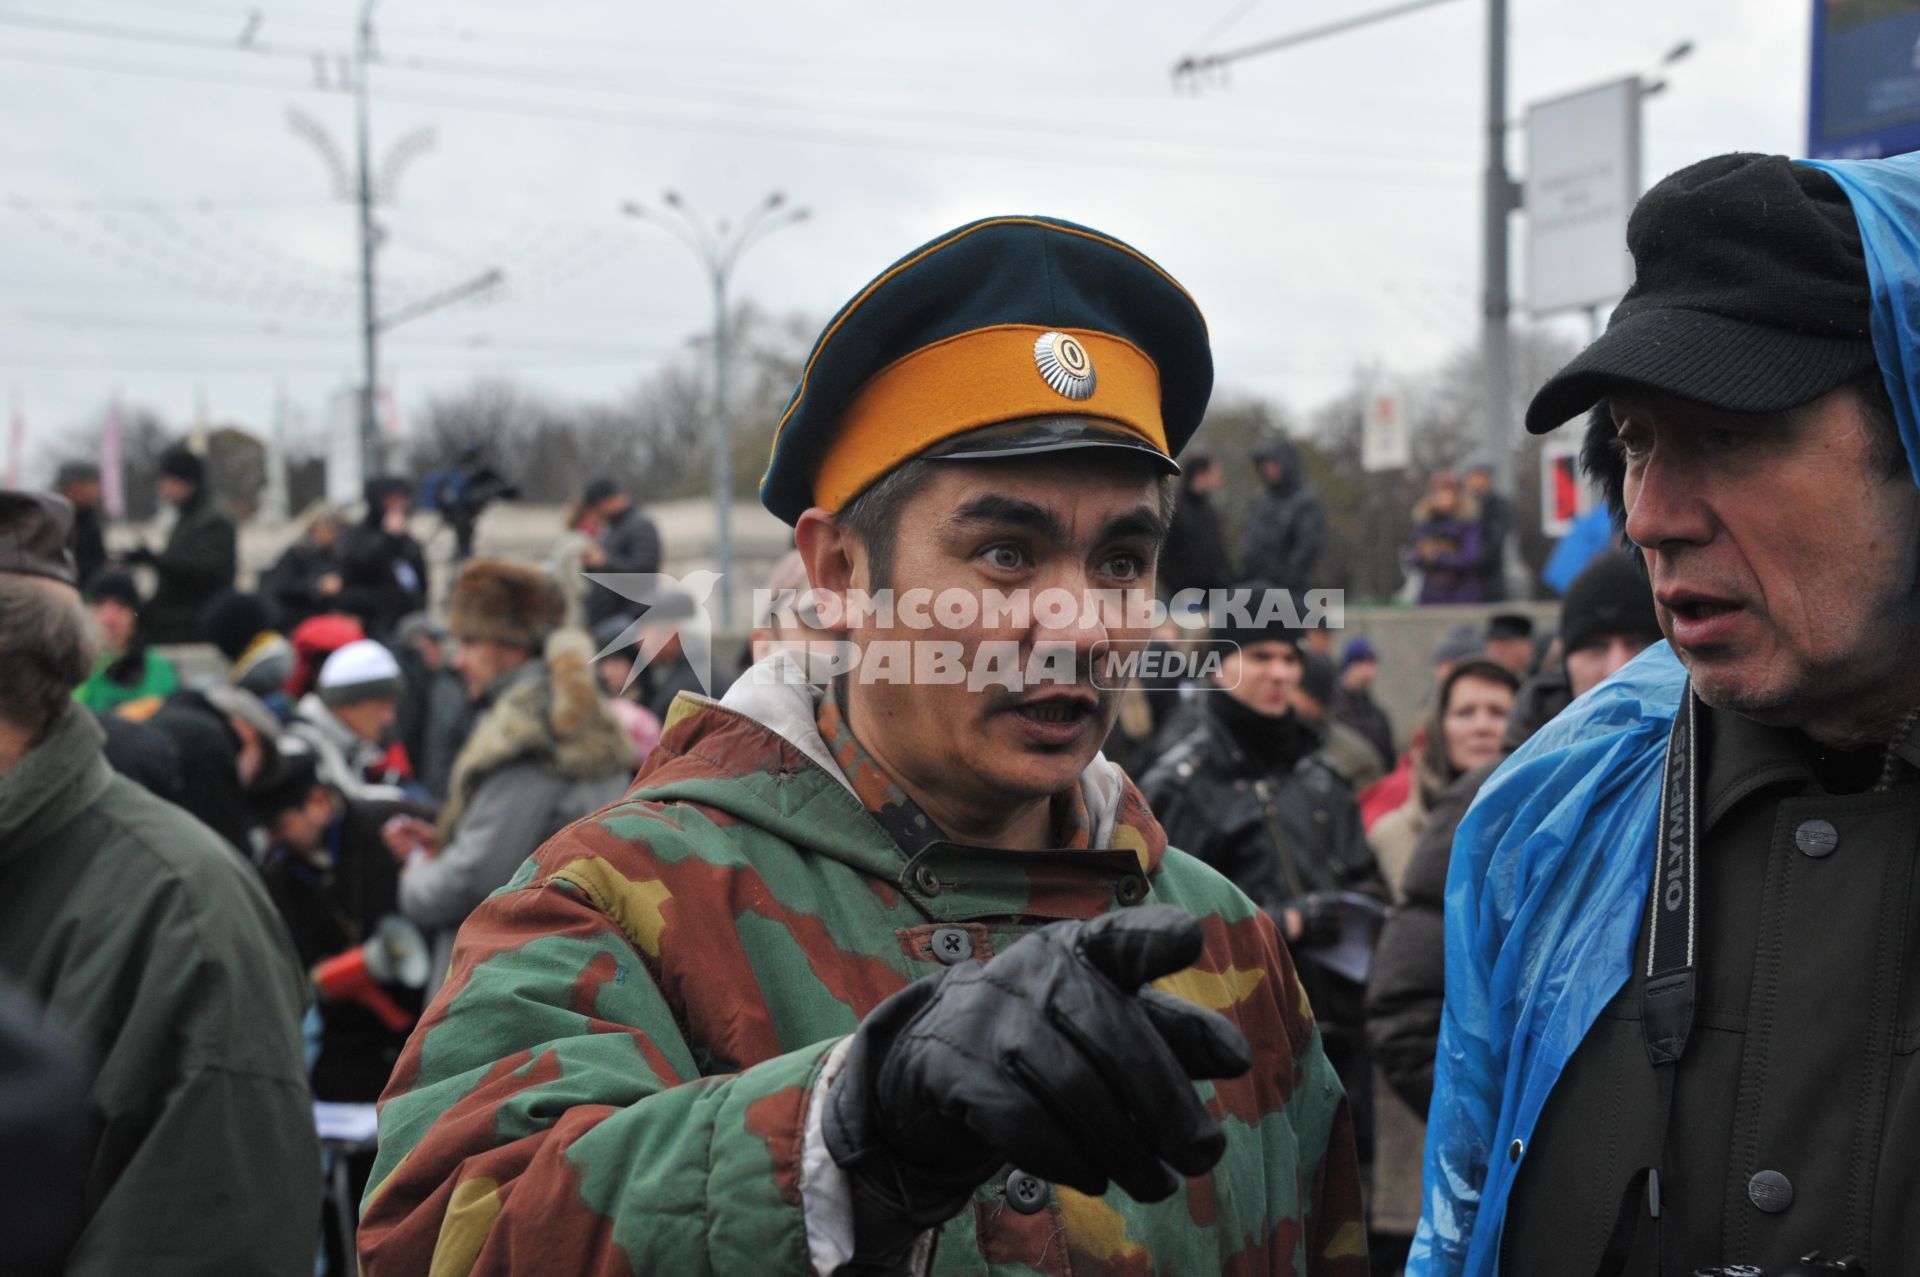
column 1630, row 444
column 1124, row 567
column 1006, row 557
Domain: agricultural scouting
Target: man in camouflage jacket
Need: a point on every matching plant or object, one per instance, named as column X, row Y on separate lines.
column 642, row 1058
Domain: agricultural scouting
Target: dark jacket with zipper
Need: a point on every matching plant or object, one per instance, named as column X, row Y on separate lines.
column 1796, row 1107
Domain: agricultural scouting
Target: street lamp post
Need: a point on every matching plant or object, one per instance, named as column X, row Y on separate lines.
column 372, row 452
column 719, row 249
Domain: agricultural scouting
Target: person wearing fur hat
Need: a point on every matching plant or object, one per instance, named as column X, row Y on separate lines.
column 544, row 751
column 201, row 554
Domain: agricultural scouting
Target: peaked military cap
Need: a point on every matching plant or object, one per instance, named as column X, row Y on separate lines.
column 1006, row 336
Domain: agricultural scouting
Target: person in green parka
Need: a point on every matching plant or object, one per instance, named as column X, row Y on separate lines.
column 155, row 950
column 892, row 974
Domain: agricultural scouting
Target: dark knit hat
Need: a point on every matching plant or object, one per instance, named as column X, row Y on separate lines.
column 599, row 490
column 1750, row 294
column 1317, row 677
column 35, row 528
column 232, row 621
column 1611, row 596
column 1233, row 627
column 1358, row 649
column 112, row 583
column 288, row 785
column 179, row 463
column 1509, row 625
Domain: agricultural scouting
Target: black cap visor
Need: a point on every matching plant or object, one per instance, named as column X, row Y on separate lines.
column 1725, row 363
column 1030, row 435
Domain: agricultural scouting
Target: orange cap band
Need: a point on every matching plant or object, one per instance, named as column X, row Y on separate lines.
column 974, row 379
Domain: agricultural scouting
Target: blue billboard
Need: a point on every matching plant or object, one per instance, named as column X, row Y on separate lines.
column 1865, row 95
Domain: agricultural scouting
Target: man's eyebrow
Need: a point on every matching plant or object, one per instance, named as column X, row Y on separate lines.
column 1143, row 521
column 1005, row 511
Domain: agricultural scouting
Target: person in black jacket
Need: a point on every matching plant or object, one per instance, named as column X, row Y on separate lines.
column 305, row 580
column 79, row 483
column 1288, row 525
column 629, row 541
column 333, row 882
column 226, row 739
column 1194, row 556
column 383, row 570
column 201, row 554
column 1248, row 790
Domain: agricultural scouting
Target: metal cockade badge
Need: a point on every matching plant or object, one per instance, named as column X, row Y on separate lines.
column 1065, row 365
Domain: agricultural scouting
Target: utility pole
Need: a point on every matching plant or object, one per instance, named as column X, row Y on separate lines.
column 719, row 250
column 372, row 447
column 364, row 189
column 1495, row 334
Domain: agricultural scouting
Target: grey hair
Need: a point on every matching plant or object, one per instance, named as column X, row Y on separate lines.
column 46, row 650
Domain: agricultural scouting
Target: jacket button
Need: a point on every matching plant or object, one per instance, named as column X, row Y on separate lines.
column 1130, row 890
column 1771, row 1191
column 951, row 945
column 1026, row 1193
column 1816, row 838
column 927, row 879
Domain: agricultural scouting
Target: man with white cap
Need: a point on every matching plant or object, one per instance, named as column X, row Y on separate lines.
column 349, row 720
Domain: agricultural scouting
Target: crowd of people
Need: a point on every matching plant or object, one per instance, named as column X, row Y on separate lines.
column 830, row 974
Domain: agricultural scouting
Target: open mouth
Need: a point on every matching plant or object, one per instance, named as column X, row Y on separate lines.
column 1056, row 710
column 1701, row 610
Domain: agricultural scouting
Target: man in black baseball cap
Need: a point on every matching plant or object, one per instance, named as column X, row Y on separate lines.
column 1749, row 795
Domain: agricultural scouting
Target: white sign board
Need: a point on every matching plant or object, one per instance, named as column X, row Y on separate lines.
column 1564, row 494
column 1583, row 176
column 344, row 481
column 1385, row 441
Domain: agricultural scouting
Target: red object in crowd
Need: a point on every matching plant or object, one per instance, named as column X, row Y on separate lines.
column 1387, row 793
column 314, row 640
column 395, row 763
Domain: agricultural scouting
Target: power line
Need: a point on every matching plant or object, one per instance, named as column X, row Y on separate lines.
column 618, row 83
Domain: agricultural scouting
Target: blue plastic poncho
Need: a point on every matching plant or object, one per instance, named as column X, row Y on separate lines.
column 1551, row 865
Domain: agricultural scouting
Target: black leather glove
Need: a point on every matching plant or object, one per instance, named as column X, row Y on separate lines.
column 1050, row 1057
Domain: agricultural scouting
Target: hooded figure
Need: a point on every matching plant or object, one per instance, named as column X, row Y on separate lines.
column 1288, row 525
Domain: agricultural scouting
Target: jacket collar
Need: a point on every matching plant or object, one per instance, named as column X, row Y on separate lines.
column 58, row 778
column 761, row 755
column 1740, row 757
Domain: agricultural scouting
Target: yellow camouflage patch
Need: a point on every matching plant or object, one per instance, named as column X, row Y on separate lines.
column 1093, row 1227
column 1349, row 1242
column 684, row 706
column 633, row 905
column 1214, row 990
column 464, row 1229
column 1127, row 838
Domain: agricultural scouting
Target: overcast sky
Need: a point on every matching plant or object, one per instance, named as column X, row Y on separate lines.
column 165, row 234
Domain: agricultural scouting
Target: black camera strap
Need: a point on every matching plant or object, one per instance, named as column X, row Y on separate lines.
column 1667, row 999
